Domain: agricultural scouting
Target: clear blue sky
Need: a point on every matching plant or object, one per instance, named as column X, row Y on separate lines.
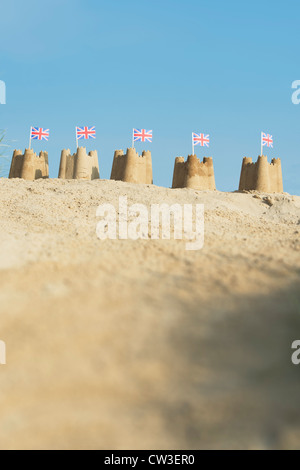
column 174, row 66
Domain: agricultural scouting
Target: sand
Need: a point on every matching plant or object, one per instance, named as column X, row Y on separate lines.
column 123, row 344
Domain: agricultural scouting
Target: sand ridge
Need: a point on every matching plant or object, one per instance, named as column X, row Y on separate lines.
column 142, row 344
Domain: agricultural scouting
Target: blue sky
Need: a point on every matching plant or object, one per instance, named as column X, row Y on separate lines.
column 223, row 68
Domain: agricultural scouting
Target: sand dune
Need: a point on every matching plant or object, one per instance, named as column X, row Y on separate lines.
column 141, row 344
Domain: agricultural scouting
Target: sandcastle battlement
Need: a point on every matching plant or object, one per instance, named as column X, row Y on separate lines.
column 80, row 165
column 29, row 165
column 261, row 176
column 194, row 174
column 132, row 167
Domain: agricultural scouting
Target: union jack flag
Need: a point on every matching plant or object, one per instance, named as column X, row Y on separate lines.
column 142, row 135
column 266, row 140
column 201, row 139
column 85, row 133
column 38, row 133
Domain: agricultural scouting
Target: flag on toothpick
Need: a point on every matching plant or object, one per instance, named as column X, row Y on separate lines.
column 142, row 135
column 38, row 133
column 85, row 133
column 201, row 139
column 266, row 140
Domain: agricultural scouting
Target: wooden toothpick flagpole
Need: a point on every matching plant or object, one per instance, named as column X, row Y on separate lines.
column 133, row 138
column 76, row 138
column 30, row 138
column 193, row 146
column 261, row 144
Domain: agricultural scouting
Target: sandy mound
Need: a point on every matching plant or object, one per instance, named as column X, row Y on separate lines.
column 142, row 344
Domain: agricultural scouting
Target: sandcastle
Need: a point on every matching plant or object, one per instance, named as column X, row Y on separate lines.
column 131, row 167
column 29, row 165
column 261, row 176
column 193, row 173
column 80, row 165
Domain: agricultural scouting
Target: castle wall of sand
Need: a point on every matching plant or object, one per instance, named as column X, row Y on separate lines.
column 132, row 167
column 80, row 165
column 261, row 176
column 194, row 174
column 29, row 165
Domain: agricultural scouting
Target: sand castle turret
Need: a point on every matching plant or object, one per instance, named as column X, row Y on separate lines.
column 261, row 176
column 80, row 165
column 193, row 173
column 29, row 165
column 132, row 167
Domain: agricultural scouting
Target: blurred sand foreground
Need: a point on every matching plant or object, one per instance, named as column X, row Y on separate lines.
column 142, row 344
